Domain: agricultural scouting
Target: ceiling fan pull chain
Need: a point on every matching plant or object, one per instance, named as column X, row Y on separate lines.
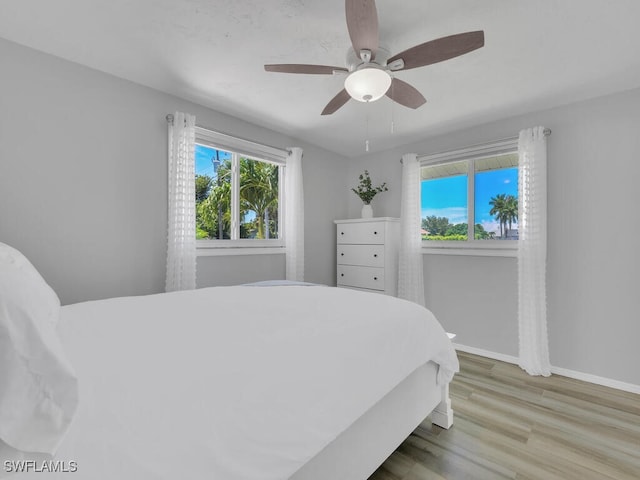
column 366, row 141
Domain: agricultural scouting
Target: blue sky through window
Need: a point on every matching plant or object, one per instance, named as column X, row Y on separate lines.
column 204, row 159
column 488, row 185
column 447, row 196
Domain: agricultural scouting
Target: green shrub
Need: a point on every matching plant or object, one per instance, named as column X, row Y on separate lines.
column 200, row 233
column 445, row 237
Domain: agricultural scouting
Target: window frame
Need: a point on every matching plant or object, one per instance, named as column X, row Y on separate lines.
column 239, row 147
column 471, row 246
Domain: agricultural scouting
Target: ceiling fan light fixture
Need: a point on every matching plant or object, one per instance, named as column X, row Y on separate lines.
column 367, row 84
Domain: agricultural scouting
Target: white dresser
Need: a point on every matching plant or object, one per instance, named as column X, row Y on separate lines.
column 367, row 254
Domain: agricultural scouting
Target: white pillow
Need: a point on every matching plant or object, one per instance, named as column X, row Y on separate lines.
column 38, row 387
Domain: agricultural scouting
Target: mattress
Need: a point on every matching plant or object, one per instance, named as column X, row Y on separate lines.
column 233, row 382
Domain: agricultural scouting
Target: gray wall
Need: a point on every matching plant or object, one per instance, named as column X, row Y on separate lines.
column 593, row 260
column 83, row 195
column 83, row 181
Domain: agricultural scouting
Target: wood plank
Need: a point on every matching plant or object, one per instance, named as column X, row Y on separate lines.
column 509, row 425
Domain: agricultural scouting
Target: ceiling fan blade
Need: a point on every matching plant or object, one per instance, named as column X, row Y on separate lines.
column 336, row 102
column 439, row 50
column 301, row 68
column 362, row 23
column 404, row 94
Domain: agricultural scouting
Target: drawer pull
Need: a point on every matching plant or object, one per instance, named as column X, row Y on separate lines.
column 375, row 255
column 375, row 278
column 342, row 274
column 375, row 233
column 342, row 254
column 341, row 233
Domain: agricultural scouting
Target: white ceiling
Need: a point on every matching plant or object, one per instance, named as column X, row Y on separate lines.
column 537, row 54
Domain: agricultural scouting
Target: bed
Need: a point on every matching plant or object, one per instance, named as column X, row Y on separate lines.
column 249, row 382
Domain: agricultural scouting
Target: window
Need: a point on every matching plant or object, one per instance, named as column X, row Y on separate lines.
column 470, row 197
column 238, row 194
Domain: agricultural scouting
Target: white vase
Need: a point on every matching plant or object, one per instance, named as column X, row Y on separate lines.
column 367, row 211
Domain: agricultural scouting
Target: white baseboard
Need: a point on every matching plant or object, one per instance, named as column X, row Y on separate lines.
column 486, row 353
column 565, row 372
column 587, row 377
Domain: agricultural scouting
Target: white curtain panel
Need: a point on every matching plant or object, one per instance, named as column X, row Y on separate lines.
column 532, row 252
column 294, row 215
column 181, row 247
column 410, row 272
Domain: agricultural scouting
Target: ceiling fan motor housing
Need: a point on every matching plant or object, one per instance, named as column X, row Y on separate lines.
column 353, row 60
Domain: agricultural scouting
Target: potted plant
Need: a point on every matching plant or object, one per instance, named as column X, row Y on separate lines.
column 367, row 192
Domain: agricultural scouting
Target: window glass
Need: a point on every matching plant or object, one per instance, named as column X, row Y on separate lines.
column 258, row 199
column 237, row 197
column 444, row 209
column 496, row 197
column 213, row 193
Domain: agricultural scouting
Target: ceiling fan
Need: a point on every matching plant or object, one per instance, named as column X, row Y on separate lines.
column 370, row 66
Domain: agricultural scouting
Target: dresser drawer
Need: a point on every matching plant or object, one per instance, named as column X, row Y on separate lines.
column 362, row 277
column 362, row 232
column 364, row 255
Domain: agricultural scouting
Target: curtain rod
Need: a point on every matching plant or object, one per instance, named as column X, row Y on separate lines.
column 169, row 118
column 546, row 132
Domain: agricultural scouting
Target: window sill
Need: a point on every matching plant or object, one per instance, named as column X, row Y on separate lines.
column 492, row 250
column 229, row 251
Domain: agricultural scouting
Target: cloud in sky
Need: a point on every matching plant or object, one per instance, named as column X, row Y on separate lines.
column 454, row 214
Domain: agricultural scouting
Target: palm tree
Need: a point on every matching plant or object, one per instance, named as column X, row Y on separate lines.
column 505, row 209
column 259, row 192
column 498, row 204
column 511, row 209
column 213, row 214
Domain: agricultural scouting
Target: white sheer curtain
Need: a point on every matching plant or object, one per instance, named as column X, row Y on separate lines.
column 181, row 245
column 294, row 215
column 410, row 272
column 532, row 252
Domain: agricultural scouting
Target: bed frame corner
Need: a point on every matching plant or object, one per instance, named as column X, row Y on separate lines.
column 442, row 415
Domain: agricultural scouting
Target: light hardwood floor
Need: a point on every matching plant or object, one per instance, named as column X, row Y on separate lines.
column 509, row 425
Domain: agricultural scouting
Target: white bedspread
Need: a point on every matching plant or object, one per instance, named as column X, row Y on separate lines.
column 233, row 383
